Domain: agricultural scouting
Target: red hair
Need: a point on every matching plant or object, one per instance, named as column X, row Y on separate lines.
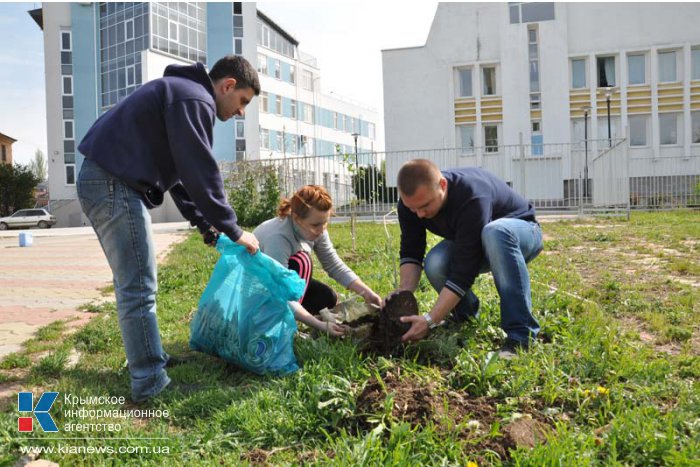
column 307, row 197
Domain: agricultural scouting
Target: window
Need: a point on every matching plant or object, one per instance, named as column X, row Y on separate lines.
column 668, row 128
column 264, row 101
column 308, row 113
column 66, row 43
column 489, row 75
column 309, row 146
column 606, row 72
column 308, row 80
column 335, row 120
column 695, row 129
column 465, row 82
column 68, row 132
column 636, row 69
column 172, row 31
column 534, row 59
column 130, row 76
column 279, row 139
column 667, row 67
column 695, row 61
column 278, row 105
column 531, row 12
column 491, row 138
column 578, row 73
column 67, row 83
column 262, row 64
column 294, row 109
column 129, row 29
column 240, row 129
column 534, row 76
column 292, row 77
column 372, row 131
column 70, row 174
column 238, row 46
column 278, row 69
column 465, row 135
column 264, row 138
column 638, row 130
column 603, row 128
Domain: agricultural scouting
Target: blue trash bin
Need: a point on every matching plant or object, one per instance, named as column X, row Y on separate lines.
column 25, row 239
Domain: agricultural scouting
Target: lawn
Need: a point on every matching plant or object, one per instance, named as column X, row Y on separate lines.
column 613, row 379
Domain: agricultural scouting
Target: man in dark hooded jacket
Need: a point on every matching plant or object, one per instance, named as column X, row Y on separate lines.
column 159, row 139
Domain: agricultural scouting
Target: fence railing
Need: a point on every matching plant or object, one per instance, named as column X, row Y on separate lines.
column 592, row 176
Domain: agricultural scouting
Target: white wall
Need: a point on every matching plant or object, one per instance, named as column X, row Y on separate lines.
column 56, row 15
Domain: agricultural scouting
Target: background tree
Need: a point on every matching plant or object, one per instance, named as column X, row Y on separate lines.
column 17, row 183
column 38, row 165
column 369, row 185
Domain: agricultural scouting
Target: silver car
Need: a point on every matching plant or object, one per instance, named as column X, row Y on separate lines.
column 28, row 218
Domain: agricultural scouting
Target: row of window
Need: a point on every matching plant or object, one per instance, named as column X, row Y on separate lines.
column 670, row 132
column 268, row 37
column 291, row 108
column 670, row 68
column 670, row 129
column 289, row 143
column 68, row 127
column 488, row 81
column 465, row 138
column 274, row 67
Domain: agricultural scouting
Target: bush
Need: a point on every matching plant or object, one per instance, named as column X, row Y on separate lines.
column 254, row 193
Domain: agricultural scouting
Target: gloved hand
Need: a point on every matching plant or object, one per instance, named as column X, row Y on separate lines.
column 211, row 236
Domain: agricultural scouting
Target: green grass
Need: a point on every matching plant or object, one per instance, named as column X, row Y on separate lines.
column 615, row 377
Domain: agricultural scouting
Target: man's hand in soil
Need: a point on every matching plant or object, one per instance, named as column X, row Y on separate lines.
column 419, row 328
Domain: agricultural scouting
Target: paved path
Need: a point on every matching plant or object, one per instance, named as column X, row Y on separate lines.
column 49, row 281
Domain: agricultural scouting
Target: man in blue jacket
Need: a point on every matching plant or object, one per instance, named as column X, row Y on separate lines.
column 486, row 226
column 159, row 139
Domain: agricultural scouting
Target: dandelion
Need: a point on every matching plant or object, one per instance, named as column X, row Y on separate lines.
column 472, row 464
column 603, row 391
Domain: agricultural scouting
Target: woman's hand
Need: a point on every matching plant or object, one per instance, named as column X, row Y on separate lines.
column 371, row 298
column 333, row 329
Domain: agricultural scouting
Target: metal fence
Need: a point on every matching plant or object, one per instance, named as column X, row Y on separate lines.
column 585, row 177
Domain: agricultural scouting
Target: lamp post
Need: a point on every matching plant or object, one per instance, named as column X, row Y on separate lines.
column 355, row 136
column 608, row 94
column 586, row 109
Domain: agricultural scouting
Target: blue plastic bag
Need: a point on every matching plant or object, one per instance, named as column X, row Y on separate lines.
column 243, row 314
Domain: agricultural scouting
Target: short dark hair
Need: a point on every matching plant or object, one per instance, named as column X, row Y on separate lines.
column 238, row 68
column 415, row 173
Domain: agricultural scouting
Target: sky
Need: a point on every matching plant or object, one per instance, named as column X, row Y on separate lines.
column 345, row 37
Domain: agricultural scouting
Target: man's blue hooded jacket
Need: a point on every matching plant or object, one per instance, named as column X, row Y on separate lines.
column 160, row 138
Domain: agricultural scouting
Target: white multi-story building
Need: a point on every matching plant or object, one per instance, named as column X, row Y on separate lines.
column 490, row 74
column 98, row 53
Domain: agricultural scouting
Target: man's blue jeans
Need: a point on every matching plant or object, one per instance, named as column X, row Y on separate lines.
column 508, row 244
column 123, row 227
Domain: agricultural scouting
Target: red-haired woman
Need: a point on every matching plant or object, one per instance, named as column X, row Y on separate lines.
column 289, row 238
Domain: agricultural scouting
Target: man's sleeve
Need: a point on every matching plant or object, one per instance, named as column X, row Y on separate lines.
column 189, row 124
column 188, row 209
column 468, row 251
column 413, row 235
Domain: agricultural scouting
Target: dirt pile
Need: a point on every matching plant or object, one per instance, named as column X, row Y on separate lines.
column 420, row 403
